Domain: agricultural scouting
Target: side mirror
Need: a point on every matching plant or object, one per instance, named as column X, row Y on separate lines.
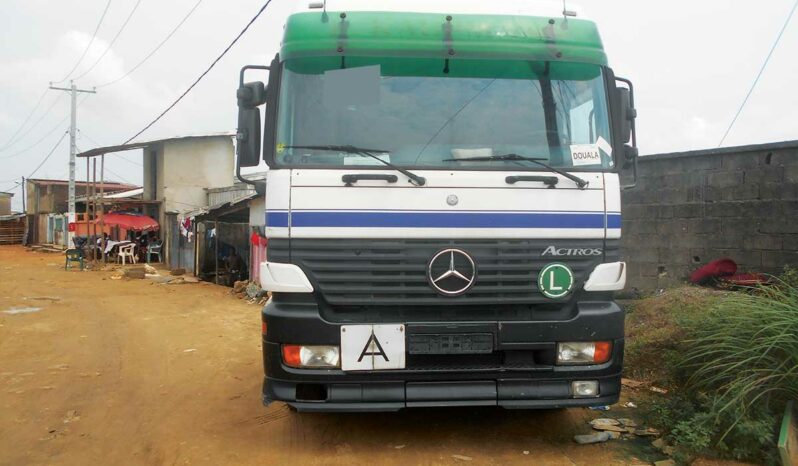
column 626, row 134
column 248, row 135
column 628, row 113
column 251, row 94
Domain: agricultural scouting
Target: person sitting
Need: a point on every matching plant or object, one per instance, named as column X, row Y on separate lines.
column 235, row 265
column 142, row 240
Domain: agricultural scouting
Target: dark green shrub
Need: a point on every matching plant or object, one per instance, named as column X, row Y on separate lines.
column 737, row 369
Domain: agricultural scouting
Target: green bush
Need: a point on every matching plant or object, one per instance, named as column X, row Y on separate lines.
column 738, row 367
column 655, row 330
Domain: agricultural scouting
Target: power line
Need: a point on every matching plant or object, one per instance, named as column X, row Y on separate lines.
column 118, row 175
column 48, row 155
column 89, row 138
column 129, row 161
column 35, row 124
column 158, row 47
column 11, row 188
column 111, row 44
column 83, row 55
column 224, row 52
column 45, row 136
column 100, row 145
column 759, row 75
column 35, row 107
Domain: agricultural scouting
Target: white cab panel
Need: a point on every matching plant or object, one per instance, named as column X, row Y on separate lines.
column 461, row 204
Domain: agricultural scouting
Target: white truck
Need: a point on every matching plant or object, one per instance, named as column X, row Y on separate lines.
column 442, row 206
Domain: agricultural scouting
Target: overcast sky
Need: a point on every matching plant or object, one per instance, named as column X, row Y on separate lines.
column 691, row 61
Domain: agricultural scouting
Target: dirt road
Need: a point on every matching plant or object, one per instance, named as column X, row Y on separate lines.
column 132, row 372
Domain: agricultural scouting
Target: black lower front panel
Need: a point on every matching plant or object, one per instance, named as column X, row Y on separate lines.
column 489, row 363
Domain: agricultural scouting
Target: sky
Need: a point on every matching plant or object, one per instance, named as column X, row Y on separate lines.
column 691, row 63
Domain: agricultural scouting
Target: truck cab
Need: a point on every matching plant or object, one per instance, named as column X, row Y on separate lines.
column 442, row 206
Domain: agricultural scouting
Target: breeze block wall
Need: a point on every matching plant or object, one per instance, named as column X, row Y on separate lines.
column 692, row 207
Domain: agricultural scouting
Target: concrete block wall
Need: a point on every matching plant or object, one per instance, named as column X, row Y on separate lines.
column 692, row 207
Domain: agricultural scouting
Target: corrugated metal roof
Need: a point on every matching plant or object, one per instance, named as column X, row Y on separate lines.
column 219, row 196
column 112, row 185
column 225, row 205
column 117, row 195
column 140, row 145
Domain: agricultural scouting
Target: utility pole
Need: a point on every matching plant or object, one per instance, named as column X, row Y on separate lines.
column 24, row 192
column 73, row 148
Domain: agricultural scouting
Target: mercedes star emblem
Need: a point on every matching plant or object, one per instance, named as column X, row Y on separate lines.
column 452, row 199
column 451, row 272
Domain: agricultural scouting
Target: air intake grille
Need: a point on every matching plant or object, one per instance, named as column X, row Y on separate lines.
column 383, row 272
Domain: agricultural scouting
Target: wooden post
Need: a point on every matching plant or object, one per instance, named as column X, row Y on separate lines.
column 24, row 192
column 87, row 201
column 216, row 250
column 94, row 207
column 102, row 205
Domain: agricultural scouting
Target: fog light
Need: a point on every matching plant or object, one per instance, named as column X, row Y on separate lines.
column 311, row 356
column 584, row 388
column 583, row 352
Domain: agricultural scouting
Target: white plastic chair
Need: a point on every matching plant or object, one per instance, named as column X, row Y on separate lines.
column 128, row 250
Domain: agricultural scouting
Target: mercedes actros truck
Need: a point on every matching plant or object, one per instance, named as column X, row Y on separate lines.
column 442, row 206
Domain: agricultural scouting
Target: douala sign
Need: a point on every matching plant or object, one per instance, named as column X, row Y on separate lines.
column 585, row 154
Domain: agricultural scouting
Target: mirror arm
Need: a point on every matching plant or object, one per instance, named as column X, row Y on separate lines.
column 250, row 67
column 633, row 117
column 634, row 173
column 259, row 185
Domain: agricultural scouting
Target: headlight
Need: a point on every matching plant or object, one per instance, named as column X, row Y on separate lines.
column 583, row 352
column 318, row 356
column 584, row 388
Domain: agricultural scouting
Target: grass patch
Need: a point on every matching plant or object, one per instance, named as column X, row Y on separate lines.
column 655, row 329
column 731, row 360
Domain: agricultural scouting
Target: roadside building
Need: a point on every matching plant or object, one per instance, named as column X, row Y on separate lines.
column 47, row 206
column 176, row 174
column 5, row 203
column 12, row 225
column 226, row 226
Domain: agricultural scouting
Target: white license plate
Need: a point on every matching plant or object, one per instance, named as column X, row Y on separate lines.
column 372, row 347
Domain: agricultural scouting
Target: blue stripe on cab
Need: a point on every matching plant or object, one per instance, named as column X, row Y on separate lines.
column 613, row 220
column 348, row 219
column 277, row 219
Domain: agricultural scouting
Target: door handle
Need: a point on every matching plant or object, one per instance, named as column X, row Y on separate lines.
column 551, row 181
column 354, row 178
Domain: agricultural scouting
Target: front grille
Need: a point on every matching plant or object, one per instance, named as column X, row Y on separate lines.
column 352, row 273
column 460, row 362
column 497, row 360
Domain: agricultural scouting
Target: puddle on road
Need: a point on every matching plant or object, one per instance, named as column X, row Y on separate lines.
column 22, row 310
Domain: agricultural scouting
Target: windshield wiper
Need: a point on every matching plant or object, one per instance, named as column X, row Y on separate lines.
column 413, row 178
column 582, row 184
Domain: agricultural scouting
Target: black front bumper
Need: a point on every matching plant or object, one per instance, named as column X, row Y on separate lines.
column 505, row 380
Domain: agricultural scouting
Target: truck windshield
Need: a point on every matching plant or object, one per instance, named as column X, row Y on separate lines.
column 432, row 114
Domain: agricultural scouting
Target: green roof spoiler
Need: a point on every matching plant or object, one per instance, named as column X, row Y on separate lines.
column 427, row 35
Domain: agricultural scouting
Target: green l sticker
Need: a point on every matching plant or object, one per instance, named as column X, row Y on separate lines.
column 555, row 280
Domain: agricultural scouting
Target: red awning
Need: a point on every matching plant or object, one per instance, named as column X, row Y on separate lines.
column 133, row 222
